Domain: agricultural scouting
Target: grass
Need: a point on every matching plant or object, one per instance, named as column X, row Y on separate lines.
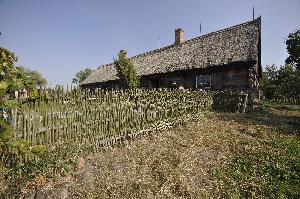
column 269, row 165
column 56, row 162
column 282, row 106
column 218, row 156
column 3, row 183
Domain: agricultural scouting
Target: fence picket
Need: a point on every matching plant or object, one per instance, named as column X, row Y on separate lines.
column 92, row 117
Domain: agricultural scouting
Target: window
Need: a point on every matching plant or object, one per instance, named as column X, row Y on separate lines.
column 203, row 81
column 213, row 80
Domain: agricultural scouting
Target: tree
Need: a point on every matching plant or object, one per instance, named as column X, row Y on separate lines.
column 32, row 77
column 289, row 79
column 293, row 48
column 269, row 81
column 126, row 71
column 81, row 75
column 10, row 80
column 14, row 150
column 281, row 82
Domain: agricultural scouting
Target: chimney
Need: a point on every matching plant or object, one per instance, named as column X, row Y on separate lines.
column 178, row 36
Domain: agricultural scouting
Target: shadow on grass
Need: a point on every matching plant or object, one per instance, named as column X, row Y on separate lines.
column 287, row 107
column 284, row 119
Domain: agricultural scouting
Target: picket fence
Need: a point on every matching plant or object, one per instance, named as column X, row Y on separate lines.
column 104, row 117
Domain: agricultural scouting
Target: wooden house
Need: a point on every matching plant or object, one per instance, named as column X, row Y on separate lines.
column 225, row 59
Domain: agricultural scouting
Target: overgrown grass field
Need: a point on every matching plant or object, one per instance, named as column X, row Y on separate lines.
column 223, row 155
column 217, row 155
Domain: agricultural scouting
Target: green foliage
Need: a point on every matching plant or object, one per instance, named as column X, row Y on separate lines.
column 32, row 77
column 280, row 83
column 42, row 163
column 269, row 81
column 33, row 81
column 17, row 78
column 126, row 71
column 284, row 82
column 39, row 150
column 81, row 75
column 10, row 103
column 293, row 48
column 33, row 94
column 13, row 151
column 289, row 77
column 10, row 78
column 5, row 133
column 265, row 168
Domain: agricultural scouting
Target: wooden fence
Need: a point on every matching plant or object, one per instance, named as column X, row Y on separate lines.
column 102, row 117
column 290, row 100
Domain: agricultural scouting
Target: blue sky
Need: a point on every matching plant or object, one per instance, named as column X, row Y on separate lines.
column 61, row 37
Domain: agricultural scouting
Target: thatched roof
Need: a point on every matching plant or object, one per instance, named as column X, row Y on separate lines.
column 235, row 44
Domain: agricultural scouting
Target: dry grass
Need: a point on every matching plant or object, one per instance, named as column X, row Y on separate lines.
column 217, row 156
column 3, row 186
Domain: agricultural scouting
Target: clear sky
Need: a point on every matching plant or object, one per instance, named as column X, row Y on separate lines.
column 61, row 37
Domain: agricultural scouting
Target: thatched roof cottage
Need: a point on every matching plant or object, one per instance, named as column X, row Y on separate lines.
column 225, row 59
